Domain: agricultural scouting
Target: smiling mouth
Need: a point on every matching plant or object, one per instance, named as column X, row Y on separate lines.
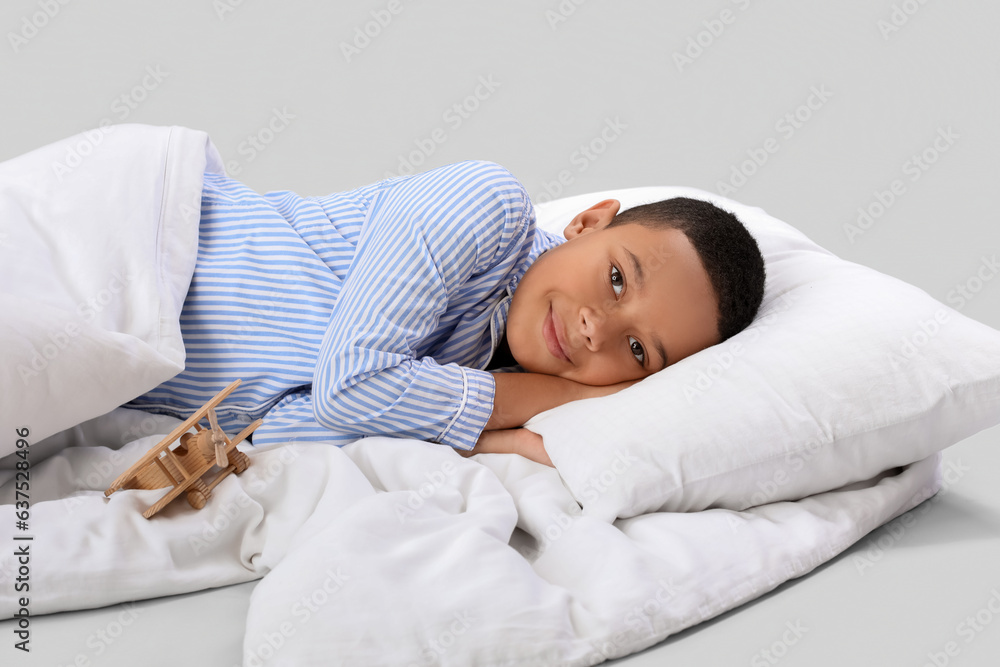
column 551, row 337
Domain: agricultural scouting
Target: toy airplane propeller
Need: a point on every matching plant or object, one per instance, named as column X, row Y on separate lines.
column 218, row 440
column 183, row 467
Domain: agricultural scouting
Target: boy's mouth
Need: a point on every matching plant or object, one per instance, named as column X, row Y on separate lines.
column 552, row 337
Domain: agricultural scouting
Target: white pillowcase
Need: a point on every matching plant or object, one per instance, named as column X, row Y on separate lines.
column 98, row 241
column 845, row 372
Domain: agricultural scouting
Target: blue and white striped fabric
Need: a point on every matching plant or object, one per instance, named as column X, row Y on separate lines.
column 368, row 312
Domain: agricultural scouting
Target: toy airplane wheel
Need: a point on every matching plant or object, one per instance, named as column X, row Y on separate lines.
column 240, row 460
column 198, row 495
column 183, row 467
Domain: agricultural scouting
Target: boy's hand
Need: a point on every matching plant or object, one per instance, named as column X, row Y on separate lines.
column 528, row 443
column 511, row 441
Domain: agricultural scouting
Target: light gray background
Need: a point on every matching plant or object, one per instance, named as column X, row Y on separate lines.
column 895, row 76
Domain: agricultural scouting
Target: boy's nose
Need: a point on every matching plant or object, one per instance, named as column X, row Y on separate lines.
column 594, row 327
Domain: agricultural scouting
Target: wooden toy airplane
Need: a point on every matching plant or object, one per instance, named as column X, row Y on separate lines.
column 183, row 467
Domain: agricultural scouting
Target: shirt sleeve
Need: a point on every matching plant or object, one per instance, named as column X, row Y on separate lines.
column 424, row 237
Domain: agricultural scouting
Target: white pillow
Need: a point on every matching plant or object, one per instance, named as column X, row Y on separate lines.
column 845, row 372
column 98, row 240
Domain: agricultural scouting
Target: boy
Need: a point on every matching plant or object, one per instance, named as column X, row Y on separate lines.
column 399, row 308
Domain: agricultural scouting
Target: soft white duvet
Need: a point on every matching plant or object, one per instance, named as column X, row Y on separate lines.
column 384, row 552
column 399, row 552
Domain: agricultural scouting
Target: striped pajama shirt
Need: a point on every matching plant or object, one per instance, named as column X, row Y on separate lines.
column 367, row 312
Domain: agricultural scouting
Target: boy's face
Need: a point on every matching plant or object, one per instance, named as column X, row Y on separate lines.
column 587, row 291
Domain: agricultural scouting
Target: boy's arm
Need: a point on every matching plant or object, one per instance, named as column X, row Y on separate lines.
column 424, row 237
column 520, row 396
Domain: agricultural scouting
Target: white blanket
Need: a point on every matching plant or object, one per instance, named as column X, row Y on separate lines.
column 384, row 552
column 398, row 552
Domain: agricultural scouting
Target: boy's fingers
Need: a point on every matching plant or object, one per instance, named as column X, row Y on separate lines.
column 489, row 443
column 496, row 442
column 532, row 447
column 511, row 441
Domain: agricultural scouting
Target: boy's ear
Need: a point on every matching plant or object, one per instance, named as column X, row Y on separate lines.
column 596, row 217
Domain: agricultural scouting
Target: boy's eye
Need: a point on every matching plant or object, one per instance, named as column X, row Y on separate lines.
column 635, row 346
column 615, row 272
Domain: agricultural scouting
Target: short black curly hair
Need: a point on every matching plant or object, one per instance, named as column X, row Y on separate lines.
column 729, row 253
